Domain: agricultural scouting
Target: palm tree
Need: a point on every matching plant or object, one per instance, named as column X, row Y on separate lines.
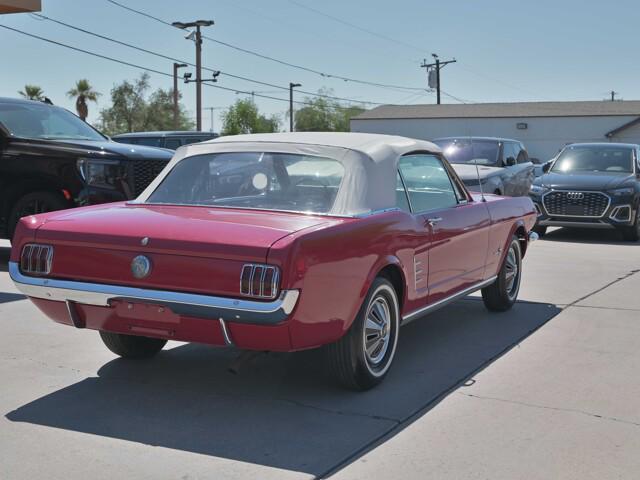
column 82, row 92
column 32, row 92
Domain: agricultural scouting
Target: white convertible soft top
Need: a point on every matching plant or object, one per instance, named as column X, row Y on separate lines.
column 370, row 162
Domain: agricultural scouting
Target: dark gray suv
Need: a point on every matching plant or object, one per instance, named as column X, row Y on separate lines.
column 170, row 140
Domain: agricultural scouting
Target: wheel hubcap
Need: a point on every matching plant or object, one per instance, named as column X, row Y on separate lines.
column 377, row 331
column 512, row 270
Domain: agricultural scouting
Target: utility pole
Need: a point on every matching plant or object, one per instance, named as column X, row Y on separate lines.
column 197, row 38
column 613, row 95
column 435, row 67
column 291, row 87
column 176, row 107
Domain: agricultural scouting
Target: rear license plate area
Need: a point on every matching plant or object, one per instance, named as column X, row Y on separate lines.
column 144, row 311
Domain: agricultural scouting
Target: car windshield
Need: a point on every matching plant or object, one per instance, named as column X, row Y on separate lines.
column 613, row 159
column 259, row 180
column 31, row 120
column 482, row 152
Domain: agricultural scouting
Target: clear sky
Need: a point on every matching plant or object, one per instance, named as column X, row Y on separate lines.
column 507, row 50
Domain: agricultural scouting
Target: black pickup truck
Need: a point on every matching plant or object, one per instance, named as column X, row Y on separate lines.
column 50, row 160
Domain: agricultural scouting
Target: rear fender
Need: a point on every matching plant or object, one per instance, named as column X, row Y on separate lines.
column 381, row 264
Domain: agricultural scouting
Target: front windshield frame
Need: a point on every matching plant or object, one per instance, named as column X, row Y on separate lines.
column 211, row 203
column 471, row 157
column 36, row 117
column 557, row 166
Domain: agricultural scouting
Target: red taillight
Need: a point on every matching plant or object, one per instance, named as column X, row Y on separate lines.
column 259, row 281
column 36, row 259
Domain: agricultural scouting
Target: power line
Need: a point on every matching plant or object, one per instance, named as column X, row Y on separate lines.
column 173, row 59
column 152, row 70
column 273, row 59
column 357, row 27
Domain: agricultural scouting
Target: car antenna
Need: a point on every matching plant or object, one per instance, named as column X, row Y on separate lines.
column 475, row 161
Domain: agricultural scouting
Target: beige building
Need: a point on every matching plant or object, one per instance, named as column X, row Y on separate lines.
column 544, row 127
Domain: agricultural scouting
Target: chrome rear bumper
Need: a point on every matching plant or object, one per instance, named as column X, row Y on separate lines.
column 194, row 305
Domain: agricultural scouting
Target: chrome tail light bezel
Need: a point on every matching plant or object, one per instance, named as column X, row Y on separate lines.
column 259, row 281
column 36, row 259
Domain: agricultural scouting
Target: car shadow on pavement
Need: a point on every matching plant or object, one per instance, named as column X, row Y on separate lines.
column 586, row 235
column 282, row 410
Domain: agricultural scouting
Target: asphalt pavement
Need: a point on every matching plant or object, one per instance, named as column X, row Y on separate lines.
column 549, row 389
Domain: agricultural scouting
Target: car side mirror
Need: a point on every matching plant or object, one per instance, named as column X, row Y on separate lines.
column 546, row 167
column 510, row 161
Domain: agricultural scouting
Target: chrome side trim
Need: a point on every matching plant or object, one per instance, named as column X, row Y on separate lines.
column 246, row 311
column 446, row 301
column 375, row 212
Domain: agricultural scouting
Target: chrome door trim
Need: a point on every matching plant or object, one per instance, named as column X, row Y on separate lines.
column 446, row 301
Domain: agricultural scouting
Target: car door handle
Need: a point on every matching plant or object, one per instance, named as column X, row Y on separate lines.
column 433, row 221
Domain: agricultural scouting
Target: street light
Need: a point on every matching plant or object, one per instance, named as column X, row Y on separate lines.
column 198, row 41
column 291, row 87
column 176, row 66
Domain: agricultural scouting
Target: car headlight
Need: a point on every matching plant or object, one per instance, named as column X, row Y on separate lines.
column 622, row 192
column 538, row 189
column 101, row 172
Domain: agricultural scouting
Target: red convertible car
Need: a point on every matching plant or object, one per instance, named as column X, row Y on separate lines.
column 278, row 242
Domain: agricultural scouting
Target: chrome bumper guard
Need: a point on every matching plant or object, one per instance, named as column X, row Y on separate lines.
column 193, row 305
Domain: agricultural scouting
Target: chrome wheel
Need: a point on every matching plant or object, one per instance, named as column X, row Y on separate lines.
column 377, row 331
column 512, row 272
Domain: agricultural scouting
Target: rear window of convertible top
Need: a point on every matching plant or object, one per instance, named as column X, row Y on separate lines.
column 257, row 180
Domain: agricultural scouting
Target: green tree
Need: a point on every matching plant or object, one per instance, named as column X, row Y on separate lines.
column 32, row 92
column 83, row 92
column 322, row 114
column 132, row 110
column 243, row 117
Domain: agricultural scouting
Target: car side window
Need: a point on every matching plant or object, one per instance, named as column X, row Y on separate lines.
column 402, row 201
column 427, row 181
column 522, row 156
column 150, row 141
column 172, row 143
column 509, row 151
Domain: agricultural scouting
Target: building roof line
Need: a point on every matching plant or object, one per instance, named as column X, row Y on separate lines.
column 622, row 127
column 504, row 110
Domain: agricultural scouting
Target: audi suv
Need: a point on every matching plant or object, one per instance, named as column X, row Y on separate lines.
column 590, row 185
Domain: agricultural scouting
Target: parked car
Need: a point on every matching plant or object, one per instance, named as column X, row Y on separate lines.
column 591, row 185
column 170, row 140
column 51, row 160
column 503, row 165
column 337, row 239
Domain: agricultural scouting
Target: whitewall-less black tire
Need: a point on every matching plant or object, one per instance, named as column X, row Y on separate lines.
column 503, row 293
column 132, row 346
column 363, row 356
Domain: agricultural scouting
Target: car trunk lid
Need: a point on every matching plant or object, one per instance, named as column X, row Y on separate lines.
column 190, row 248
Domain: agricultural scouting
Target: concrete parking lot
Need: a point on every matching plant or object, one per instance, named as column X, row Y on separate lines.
column 547, row 390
